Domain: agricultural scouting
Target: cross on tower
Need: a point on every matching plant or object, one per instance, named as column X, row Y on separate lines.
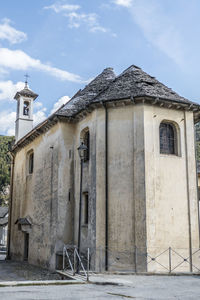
column 26, row 81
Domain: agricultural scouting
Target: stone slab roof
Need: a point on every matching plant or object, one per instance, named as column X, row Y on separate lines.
column 133, row 82
column 133, row 85
column 23, row 221
column 84, row 97
column 26, row 92
column 3, row 211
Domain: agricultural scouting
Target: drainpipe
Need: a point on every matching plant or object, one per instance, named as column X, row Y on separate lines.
column 106, row 186
column 10, row 208
column 188, row 192
column 80, row 209
column 197, row 186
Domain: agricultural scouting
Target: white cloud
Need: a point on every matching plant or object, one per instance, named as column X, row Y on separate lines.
column 7, row 118
column 39, row 116
column 157, row 27
column 7, row 122
column 59, row 103
column 19, row 60
column 9, row 33
column 125, row 3
column 62, row 7
column 8, row 89
column 38, row 104
column 98, row 28
column 77, row 18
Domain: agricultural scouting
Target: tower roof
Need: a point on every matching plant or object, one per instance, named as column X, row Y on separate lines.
column 26, row 92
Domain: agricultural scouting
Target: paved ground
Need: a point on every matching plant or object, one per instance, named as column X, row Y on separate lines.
column 116, row 287
column 101, row 286
column 19, row 271
column 133, row 287
column 2, row 256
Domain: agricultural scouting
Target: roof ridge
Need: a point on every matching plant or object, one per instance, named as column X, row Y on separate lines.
column 131, row 68
column 91, row 90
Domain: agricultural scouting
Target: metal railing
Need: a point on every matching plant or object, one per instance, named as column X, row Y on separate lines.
column 75, row 262
column 153, row 260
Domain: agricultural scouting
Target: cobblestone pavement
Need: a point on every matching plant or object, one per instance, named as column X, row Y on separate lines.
column 121, row 287
column 18, row 271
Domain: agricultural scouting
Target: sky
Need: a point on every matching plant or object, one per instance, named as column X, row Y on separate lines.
column 63, row 44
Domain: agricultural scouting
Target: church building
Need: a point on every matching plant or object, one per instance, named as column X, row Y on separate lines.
column 112, row 170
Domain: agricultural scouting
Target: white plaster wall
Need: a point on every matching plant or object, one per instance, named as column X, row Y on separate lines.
column 36, row 196
column 166, row 189
column 147, row 191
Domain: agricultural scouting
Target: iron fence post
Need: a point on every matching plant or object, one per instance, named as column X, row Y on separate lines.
column 74, row 262
column 191, row 263
column 63, row 258
column 101, row 260
column 88, row 263
column 135, row 259
column 170, row 259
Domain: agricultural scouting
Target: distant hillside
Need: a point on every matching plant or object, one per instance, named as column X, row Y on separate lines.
column 4, row 168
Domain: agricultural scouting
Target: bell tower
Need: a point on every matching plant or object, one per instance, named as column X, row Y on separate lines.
column 24, row 117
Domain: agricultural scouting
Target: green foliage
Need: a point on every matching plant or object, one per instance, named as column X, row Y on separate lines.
column 4, row 168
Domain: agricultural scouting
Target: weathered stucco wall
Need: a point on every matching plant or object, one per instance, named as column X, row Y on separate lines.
column 43, row 196
column 88, row 231
column 168, row 189
column 149, row 194
column 126, row 189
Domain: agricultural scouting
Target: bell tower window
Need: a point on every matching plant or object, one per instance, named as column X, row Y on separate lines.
column 26, row 108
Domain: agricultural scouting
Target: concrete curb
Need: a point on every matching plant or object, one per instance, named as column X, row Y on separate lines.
column 37, row 283
column 150, row 273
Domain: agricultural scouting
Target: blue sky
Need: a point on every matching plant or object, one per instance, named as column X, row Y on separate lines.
column 62, row 44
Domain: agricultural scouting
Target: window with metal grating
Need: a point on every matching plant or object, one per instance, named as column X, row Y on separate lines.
column 168, row 138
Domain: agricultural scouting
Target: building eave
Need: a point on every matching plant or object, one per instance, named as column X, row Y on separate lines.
column 53, row 119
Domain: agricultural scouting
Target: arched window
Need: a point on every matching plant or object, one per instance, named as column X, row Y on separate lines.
column 31, row 162
column 168, row 138
column 26, row 108
column 86, row 141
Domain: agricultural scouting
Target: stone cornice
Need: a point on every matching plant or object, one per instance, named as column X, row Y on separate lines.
column 53, row 119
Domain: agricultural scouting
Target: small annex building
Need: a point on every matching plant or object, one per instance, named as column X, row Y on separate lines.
column 139, row 182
